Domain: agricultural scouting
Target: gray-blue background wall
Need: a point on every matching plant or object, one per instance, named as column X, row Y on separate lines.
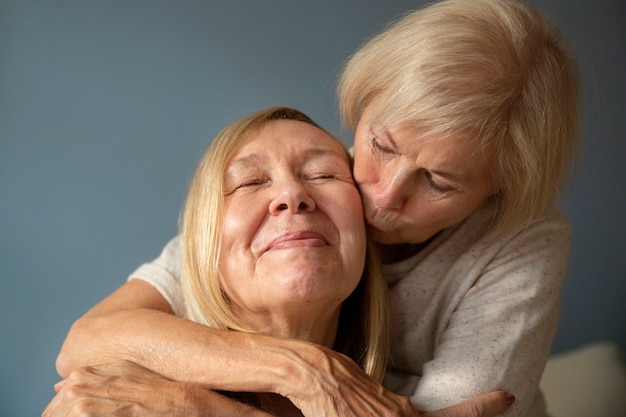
column 106, row 106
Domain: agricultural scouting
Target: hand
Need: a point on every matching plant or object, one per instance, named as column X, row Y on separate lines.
column 323, row 382
column 126, row 389
column 331, row 384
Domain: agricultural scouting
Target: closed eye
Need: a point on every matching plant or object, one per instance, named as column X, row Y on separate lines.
column 246, row 185
column 319, row 176
column 437, row 187
column 380, row 147
column 252, row 183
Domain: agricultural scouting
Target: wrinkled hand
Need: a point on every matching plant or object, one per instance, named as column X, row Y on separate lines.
column 126, row 389
column 332, row 385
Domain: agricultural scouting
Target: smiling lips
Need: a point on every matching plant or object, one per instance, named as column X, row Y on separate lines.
column 298, row 240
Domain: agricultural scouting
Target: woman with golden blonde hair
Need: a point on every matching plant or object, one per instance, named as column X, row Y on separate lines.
column 362, row 330
column 465, row 119
column 274, row 242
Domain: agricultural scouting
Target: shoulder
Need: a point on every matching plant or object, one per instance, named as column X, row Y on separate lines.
column 550, row 228
column 469, row 252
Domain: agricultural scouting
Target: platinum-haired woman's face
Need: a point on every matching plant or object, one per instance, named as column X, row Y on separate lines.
column 294, row 233
column 412, row 185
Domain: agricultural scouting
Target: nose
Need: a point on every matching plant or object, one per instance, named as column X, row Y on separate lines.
column 393, row 190
column 291, row 196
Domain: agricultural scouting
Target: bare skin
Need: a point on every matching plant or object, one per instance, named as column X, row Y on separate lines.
column 125, row 389
column 325, row 377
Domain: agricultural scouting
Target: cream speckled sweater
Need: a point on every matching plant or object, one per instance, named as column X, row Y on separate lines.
column 468, row 315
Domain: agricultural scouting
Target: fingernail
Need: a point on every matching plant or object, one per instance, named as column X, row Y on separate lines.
column 509, row 398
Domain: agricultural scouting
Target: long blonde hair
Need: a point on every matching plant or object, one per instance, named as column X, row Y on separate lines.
column 495, row 71
column 363, row 324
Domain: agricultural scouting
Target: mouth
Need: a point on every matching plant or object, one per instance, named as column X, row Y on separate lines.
column 305, row 239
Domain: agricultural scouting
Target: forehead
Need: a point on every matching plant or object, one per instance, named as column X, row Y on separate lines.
column 288, row 138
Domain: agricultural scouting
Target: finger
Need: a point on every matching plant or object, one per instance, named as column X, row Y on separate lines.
column 485, row 405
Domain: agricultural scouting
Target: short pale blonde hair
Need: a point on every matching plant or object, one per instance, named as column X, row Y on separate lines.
column 495, row 71
column 363, row 328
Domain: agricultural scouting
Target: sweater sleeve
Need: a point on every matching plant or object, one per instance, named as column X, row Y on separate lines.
column 164, row 273
column 501, row 329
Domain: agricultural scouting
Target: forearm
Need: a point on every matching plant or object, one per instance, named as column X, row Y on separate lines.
column 317, row 380
column 136, row 324
column 183, row 350
column 123, row 388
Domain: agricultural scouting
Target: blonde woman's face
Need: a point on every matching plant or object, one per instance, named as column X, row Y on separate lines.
column 294, row 234
column 414, row 186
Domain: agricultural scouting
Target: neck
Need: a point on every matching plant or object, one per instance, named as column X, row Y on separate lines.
column 318, row 327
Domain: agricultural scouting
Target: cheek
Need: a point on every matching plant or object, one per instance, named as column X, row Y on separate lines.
column 366, row 167
column 353, row 221
column 233, row 227
column 241, row 223
column 345, row 213
column 351, row 207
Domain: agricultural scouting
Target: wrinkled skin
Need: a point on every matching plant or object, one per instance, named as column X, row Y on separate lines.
column 126, row 389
